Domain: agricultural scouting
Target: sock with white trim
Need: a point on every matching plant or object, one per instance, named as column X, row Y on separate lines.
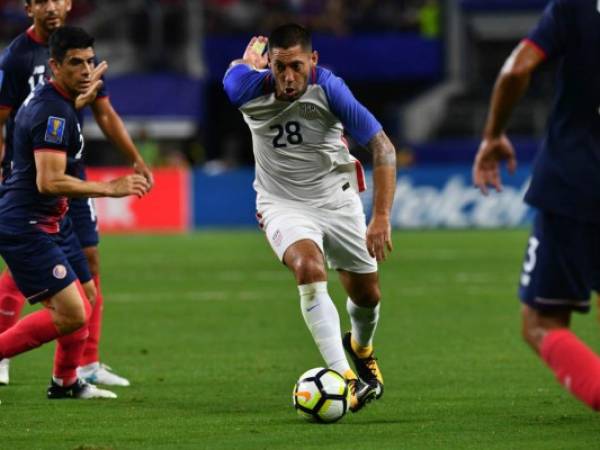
column 364, row 322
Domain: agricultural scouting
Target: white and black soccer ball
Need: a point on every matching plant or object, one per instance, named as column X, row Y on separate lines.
column 321, row 395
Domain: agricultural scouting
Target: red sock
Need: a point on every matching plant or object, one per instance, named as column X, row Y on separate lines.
column 11, row 301
column 91, row 352
column 69, row 350
column 28, row 333
column 576, row 366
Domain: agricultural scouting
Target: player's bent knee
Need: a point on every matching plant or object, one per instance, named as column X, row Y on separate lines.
column 71, row 322
column 308, row 270
column 75, row 319
column 367, row 297
column 70, row 308
column 532, row 334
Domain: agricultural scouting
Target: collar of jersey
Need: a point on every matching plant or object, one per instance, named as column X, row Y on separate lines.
column 58, row 89
column 34, row 37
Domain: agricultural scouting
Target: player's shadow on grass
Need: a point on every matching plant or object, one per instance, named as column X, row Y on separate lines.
column 354, row 421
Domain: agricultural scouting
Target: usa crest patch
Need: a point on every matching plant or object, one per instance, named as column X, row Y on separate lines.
column 55, row 130
column 308, row 111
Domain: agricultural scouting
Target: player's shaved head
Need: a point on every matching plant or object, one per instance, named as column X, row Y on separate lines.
column 67, row 38
column 290, row 35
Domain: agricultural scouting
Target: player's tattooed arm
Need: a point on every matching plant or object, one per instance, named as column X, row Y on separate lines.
column 379, row 232
column 384, row 153
column 254, row 55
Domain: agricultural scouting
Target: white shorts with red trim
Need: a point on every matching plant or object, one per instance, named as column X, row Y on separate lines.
column 339, row 233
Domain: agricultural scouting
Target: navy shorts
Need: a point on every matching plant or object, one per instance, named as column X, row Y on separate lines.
column 83, row 215
column 70, row 245
column 562, row 264
column 37, row 262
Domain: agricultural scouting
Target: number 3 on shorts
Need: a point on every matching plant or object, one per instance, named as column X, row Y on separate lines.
column 530, row 262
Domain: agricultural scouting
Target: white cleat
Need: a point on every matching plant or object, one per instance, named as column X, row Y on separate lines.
column 99, row 373
column 4, row 371
column 90, row 391
column 79, row 390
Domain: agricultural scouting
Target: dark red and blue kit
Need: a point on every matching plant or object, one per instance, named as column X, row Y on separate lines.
column 562, row 263
column 36, row 238
column 23, row 66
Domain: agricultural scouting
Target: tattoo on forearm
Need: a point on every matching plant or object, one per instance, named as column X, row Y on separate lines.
column 384, row 153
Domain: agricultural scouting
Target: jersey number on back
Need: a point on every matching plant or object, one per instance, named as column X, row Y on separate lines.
column 289, row 132
column 37, row 77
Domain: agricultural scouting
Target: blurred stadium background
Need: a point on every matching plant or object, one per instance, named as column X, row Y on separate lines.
column 206, row 323
column 424, row 67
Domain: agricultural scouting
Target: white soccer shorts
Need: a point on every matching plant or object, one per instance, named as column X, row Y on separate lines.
column 339, row 233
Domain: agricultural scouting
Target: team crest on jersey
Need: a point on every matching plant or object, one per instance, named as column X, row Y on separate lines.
column 308, row 111
column 55, row 130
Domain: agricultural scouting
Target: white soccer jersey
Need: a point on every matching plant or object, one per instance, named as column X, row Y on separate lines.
column 299, row 147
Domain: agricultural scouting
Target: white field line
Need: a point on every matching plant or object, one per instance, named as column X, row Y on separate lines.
column 192, row 296
column 229, row 276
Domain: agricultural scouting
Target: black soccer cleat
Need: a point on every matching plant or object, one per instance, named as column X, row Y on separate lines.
column 79, row 390
column 367, row 368
column 361, row 393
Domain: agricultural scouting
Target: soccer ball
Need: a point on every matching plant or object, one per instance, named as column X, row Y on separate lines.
column 321, row 395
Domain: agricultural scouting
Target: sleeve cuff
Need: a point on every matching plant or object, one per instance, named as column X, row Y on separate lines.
column 536, row 47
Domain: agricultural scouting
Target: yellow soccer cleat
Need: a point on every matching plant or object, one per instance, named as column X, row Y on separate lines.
column 361, row 393
column 366, row 366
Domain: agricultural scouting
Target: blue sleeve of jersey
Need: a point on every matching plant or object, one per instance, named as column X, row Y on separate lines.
column 243, row 84
column 52, row 127
column 11, row 81
column 552, row 31
column 357, row 120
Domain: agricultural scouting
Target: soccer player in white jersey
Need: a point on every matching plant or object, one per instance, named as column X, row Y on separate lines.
column 307, row 186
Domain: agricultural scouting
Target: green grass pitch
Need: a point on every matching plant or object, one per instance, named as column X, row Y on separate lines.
column 207, row 326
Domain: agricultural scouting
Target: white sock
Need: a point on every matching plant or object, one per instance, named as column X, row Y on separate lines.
column 323, row 321
column 364, row 321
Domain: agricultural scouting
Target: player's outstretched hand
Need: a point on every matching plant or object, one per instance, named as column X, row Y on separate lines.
column 486, row 168
column 140, row 167
column 88, row 97
column 254, row 52
column 129, row 185
column 379, row 237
